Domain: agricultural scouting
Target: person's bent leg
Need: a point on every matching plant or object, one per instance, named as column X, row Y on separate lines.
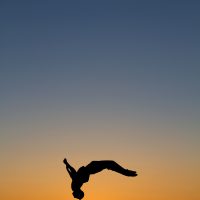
column 97, row 166
column 112, row 165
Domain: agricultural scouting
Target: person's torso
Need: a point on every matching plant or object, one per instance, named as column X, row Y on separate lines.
column 83, row 174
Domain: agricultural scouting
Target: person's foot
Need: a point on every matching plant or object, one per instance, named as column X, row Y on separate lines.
column 131, row 173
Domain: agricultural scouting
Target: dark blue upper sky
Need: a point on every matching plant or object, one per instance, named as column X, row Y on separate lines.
column 128, row 53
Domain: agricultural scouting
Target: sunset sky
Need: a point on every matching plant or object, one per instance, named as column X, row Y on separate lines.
column 96, row 80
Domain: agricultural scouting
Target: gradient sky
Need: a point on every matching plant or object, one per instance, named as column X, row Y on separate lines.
column 92, row 80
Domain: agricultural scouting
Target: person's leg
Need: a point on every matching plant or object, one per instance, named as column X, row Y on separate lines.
column 97, row 166
column 112, row 165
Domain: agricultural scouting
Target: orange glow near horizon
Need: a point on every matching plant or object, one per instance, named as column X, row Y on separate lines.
column 38, row 173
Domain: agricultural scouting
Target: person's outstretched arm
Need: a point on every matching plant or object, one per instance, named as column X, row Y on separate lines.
column 70, row 169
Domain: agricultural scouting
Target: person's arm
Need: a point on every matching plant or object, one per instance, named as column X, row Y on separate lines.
column 70, row 169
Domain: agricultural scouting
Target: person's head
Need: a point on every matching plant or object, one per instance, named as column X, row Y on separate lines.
column 79, row 194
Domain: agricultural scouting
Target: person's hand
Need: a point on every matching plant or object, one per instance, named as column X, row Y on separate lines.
column 65, row 161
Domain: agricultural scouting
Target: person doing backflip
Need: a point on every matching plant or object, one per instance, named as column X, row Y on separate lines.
column 82, row 175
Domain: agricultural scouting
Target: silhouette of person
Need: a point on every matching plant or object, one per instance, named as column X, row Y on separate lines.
column 82, row 175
